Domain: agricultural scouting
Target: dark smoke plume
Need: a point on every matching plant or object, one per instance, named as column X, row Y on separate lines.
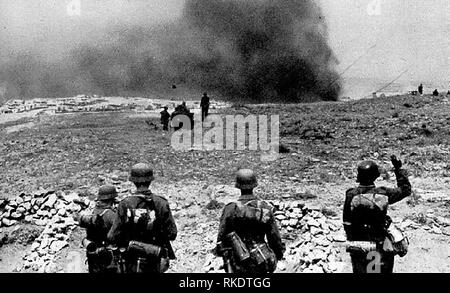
column 267, row 50
column 247, row 50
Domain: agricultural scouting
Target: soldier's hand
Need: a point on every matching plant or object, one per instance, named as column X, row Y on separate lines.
column 396, row 162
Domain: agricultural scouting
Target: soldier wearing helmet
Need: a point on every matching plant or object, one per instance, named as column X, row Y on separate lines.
column 144, row 225
column 97, row 227
column 243, row 229
column 204, row 105
column 366, row 220
column 165, row 118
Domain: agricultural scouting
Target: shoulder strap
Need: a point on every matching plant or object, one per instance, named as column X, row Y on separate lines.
column 104, row 212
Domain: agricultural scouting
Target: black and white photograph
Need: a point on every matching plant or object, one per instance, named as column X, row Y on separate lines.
column 198, row 138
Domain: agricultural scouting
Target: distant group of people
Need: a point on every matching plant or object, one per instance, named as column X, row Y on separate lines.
column 182, row 109
column 135, row 235
column 435, row 92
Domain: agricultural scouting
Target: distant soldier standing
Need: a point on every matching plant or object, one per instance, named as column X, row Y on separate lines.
column 145, row 226
column 244, row 227
column 165, row 118
column 204, row 104
column 366, row 220
column 421, row 89
column 97, row 227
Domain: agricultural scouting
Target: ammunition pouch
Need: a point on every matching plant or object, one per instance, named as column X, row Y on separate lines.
column 263, row 257
column 100, row 259
column 239, row 248
column 145, row 250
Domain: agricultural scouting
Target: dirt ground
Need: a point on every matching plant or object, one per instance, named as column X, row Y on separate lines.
column 325, row 143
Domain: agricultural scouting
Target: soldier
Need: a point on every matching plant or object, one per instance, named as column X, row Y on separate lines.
column 421, row 89
column 165, row 117
column 435, row 93
column 244, row 225
column 366, row 220
column 204, row 104
column 145, row 226
column 97, row 227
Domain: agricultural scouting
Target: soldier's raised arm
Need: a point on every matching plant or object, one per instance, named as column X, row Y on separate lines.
column 403, row 185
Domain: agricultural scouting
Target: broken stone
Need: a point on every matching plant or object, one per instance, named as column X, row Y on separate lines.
column 7, row 222
column 293, row 222
column 50, row 202
column 62, row 212
column 446, row 231
column 315, row 231
column 436, row 230
column 281, row 266
column 16, row 215
column 27, row 206
column 339, row 238
column 284, row 223
column 21, row 210
column 57, row 245
column 40, row 222
column 35, row 246
column 313, row 223
column 71, row 197
column 280, row 217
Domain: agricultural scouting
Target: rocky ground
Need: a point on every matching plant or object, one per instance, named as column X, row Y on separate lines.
column 53, row 167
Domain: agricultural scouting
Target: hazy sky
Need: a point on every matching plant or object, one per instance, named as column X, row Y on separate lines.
column 411, row 35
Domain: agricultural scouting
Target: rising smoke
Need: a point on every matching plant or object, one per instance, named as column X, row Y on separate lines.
column 252, row 50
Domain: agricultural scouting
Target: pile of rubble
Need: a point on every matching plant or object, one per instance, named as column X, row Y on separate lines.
column 317, row 240
column 51, row 209
column 316, row 237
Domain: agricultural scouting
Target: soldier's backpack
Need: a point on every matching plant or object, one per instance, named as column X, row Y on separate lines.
column 142, row 219
column 259, row 256
column 369, row 210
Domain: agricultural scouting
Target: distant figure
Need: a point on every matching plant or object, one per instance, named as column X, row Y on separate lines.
column 204, row 104
column 435, row 93
column 421, row 89
column 182, row 110
column 165, row 117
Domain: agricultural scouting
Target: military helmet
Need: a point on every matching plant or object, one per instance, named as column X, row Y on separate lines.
column 107, row 192
column 141, row 173
column 246, row 179
column 368, row 171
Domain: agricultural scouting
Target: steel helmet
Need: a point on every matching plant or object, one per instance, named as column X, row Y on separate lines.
column 141, row 173
column 368, row 171
column 246, row 179
column 107, row 192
